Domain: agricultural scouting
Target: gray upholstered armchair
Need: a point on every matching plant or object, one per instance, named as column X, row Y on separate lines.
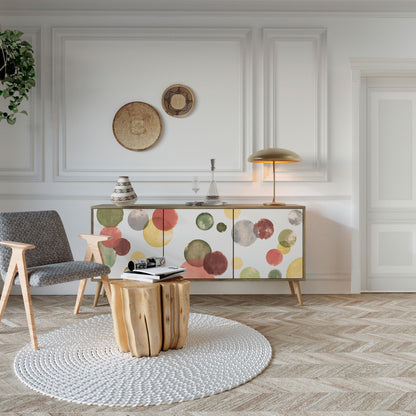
column 48, row 259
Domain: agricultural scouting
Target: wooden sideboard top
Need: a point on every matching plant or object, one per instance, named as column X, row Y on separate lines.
column 182, row 206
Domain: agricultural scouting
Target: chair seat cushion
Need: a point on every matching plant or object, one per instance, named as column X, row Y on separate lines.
column 51, row 274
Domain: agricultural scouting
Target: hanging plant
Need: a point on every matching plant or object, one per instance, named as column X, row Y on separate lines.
column 17, row 73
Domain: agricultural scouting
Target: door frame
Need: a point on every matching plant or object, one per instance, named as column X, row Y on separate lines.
column 362, row 69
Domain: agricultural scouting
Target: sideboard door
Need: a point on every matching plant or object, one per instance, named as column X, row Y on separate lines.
column 268, row 243
column 136, row 234
column 200, row 239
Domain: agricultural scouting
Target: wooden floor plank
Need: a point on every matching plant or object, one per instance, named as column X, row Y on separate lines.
column 343, row 355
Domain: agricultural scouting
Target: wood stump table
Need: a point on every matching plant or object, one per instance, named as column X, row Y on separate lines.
column 150, row 317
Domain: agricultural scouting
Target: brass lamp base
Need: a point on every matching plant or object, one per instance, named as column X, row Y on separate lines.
column 274, row 203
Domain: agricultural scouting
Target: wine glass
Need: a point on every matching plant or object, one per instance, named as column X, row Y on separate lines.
column 195, row 186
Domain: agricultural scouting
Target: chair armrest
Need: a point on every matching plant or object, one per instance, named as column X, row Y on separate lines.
column 94, row 239
column 15, row 244
column 93, row 247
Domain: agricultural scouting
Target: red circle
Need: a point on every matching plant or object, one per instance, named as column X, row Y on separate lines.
column 122, row 247
column 196, row 272
column 170, row 219
column 265, row 229
column 215, row 263
column 115, row 235
column 165, row 219
column 274, row 257
column 157, row 218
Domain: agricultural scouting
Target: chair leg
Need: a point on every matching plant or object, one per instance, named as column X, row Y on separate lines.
column 27, row 300
column 8, row 283
column 81, row 289
column 97, row 293
column 107, row 287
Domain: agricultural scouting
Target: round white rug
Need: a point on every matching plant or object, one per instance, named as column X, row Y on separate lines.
column 81, row 363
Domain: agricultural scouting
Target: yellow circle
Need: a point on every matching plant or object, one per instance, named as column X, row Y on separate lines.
column 295, row 269
column 152, row 235
column 137, row 255
column 283, row 250
column 168, row 236
column 229, row 213
column 237, row 263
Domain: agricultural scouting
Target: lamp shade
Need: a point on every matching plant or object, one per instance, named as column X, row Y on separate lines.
column 274, row 154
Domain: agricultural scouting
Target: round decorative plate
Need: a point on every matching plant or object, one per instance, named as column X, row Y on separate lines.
column 137, row 126
column 178, row 100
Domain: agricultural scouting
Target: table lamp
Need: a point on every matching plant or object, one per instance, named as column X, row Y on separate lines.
column 274, row 155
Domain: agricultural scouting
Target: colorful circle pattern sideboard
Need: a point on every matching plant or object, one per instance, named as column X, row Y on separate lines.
column 211, row 242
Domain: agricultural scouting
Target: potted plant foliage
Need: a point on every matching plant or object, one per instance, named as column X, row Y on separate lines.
column 17, row 73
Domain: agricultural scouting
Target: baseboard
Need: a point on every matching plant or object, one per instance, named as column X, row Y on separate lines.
column 314, row 284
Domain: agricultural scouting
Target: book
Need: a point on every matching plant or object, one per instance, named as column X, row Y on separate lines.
column 154, row 274
column 161, row 271
column 148, row 278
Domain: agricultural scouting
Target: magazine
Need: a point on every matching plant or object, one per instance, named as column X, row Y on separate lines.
column 148, row 278
column 155, row 274
column 162, row 271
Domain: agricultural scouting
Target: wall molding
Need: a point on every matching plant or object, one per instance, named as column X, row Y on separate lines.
column 175, row 198
column 243, row 38
column 379, row 7
column 316, row 169
column 314, row 284
column 34, row 173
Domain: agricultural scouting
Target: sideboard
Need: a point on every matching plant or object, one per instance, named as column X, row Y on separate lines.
column 244, row 241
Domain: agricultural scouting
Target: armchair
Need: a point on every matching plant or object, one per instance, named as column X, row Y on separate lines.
column 35, row 248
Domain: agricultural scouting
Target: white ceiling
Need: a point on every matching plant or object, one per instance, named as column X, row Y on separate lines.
column 212, row 5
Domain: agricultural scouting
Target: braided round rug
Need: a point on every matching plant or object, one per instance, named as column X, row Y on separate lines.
column 81, row 363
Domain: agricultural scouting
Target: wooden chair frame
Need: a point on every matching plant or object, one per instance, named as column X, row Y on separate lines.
column 18, row 264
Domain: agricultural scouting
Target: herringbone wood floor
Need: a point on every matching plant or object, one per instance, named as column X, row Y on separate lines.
column 336, row 355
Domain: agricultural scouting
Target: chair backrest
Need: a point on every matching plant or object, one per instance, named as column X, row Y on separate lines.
column 44, row 229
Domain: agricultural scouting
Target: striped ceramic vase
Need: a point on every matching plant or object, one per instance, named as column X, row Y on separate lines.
column 123, row 193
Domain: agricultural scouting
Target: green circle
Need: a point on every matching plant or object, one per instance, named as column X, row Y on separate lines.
column 110, row 217
column 109, row 255
column 221, row 227
column 204, row 221
column 275, row 274
column 196, row 251
column 249, row 273
column 287, row 238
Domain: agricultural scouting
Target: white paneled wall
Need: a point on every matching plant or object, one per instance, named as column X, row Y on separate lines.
column 110, row 67
column 21, row 144
column 260, row 79
column 295, row 89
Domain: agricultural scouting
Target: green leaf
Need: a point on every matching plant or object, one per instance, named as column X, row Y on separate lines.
column 18, row 82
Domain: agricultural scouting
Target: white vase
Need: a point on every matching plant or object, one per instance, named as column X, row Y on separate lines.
column 123, row 193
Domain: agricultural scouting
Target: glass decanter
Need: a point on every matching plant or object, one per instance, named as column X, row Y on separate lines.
column 212, row 197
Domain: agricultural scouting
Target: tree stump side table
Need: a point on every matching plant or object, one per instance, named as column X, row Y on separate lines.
column 150, row 317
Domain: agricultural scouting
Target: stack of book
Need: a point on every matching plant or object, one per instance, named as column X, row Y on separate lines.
column 154, row 274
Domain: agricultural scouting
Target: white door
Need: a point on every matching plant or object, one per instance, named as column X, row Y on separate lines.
column 391, row 184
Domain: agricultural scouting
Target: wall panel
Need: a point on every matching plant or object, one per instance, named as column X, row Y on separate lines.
column 111, row 67
column 21, row 144
column 295, row 99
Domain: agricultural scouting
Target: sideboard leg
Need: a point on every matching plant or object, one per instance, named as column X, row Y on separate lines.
column 292, row 289
column 298, row 293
